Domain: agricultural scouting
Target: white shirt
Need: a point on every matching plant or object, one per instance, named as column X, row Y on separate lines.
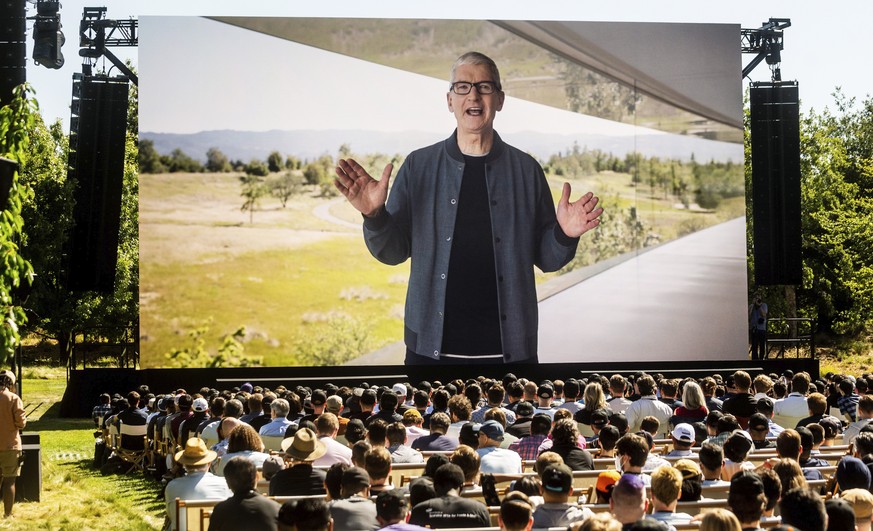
column 645, row 406
column 619, row 405
column 194, row 486
column 788, row 411
column 499, row 461
column 336, row 452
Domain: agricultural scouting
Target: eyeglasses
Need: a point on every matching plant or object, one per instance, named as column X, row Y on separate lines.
column 463, row 88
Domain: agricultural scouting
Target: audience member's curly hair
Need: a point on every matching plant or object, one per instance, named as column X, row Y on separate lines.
column 244, row 438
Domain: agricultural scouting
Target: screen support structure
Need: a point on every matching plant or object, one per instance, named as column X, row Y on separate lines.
column 766, row 43
column 96, row 34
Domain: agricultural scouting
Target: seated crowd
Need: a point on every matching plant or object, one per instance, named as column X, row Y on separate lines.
column 785, row 450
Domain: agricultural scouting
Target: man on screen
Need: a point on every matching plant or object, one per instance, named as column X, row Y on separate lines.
column 475, row 215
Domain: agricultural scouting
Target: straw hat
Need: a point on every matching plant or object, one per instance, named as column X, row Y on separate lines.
column 195, row 453
column 304, row 446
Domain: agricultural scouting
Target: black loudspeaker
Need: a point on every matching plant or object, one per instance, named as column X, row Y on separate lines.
column 13, row 52
column 96, row 162
column 775, row 134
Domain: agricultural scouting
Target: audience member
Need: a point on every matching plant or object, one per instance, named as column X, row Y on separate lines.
column 449, row 509
column 12, row 421
column 242, row 442
column 746, row 499
column 300, row 478
column 556, row 511
column 648, row 404
column 629, row 502
column 496, row 460
column 354, row 511
column 840, row 516
column 327, row 428
column 666, row 489
column 197, row 483
column 803, row 509
column 719, row 520
column 312, row 515
column 861, row 501
column 865, row 416
column 246, row 509
column 391, row 511
column 278, row 424
column 790, row 410
column 565, row 439
column 516, row 513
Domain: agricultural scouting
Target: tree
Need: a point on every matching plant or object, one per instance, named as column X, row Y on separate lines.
column 257, row 168
column 836, row 157
column 16, row 119
column 149, row 158
column 216, row 161
column 253, row 190
column 282, row 187
column 274, row 161
column 179, row 161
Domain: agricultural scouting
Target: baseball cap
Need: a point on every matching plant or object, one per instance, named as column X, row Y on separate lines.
column 600, row 418
column 524, row 409
column 492, row 429
column 831, row 426
column 759, row 422
column 399, row 389
column 545, row 391
column 557, row 478
column 246, row 387
column 861, row 501
column 684, row 432
column 334, row 403
column 354, row 479
column 8, row 374
column 200, row 405
column 852, row 473
column 607, row 479
column 318, row 397
column 689, row 468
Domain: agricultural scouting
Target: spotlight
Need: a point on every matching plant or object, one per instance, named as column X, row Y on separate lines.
column 48, row 39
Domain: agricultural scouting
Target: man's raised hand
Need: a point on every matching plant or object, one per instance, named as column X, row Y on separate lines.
column 364, row 193
column 578, row 217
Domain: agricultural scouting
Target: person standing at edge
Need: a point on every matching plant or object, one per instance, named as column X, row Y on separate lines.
column 12, row 421
column 475, row 215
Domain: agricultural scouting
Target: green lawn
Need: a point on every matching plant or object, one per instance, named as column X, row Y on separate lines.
column 75, row 496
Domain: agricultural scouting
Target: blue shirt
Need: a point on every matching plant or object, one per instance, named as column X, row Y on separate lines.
column 418, row 222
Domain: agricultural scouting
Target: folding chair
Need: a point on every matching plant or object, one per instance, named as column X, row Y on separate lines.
column 133, row 446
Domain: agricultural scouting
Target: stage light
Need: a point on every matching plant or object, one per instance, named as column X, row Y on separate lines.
column 48, row 39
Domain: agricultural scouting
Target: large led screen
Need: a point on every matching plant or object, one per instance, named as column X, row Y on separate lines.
column 250, row 257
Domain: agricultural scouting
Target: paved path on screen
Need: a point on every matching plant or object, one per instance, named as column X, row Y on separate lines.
column 685, row 300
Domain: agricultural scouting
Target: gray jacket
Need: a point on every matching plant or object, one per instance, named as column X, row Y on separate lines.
column 419, row 220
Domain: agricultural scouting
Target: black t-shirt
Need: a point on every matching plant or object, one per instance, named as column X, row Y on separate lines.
column 450, row 512
column 299, row 480
column 472, row 318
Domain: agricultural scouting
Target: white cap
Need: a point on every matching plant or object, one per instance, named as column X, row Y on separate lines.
column 200, row 404
column 399, row 389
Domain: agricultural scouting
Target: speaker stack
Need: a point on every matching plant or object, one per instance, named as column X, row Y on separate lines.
column 775, row 134
column 96, row 162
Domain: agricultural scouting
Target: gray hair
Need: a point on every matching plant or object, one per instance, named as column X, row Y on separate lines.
column 477, row 58
column 280, row 407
